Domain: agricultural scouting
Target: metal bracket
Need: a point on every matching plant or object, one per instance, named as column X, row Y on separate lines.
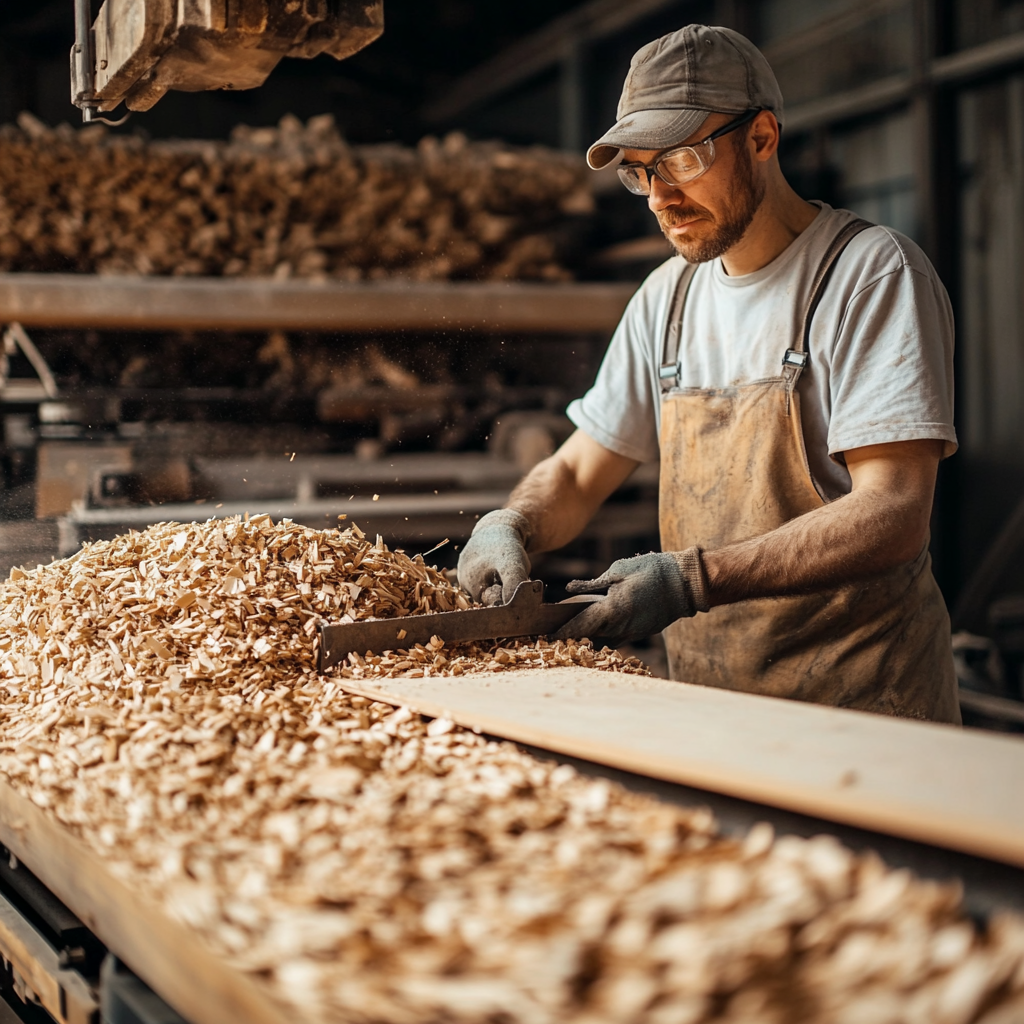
column 127, row 999
column 38, row 974
column 16, row 338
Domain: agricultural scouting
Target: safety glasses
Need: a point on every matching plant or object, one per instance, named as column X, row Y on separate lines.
column 680, row 165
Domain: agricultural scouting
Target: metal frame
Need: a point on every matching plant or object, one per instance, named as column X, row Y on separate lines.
column 40, row 976
column 416, row 521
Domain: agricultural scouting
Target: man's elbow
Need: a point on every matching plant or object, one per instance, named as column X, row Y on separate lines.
column 903, row 544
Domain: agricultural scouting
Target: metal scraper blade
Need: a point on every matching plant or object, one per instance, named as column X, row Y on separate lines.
column 525, row 615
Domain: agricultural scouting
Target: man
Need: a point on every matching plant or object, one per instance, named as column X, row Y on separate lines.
column 794, row 373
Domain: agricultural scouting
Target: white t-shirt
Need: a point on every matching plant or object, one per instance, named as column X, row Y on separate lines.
column 881, row 347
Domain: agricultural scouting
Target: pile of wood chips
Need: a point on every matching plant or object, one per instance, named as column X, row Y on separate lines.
column 288, row 201
column 160, row 701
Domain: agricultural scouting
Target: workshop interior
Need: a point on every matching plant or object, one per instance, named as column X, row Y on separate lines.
column 329, row 273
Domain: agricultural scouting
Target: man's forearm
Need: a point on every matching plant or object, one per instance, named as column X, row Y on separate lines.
column 858, row 536
column 560, row 495
column 548, row 496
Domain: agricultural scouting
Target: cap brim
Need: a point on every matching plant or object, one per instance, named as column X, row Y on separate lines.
column 645, row 129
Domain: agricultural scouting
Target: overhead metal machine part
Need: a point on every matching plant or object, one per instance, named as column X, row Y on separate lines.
column 137, row 50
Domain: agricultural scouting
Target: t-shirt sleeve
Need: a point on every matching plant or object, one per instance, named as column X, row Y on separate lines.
column 892, row 365
column 621, row 410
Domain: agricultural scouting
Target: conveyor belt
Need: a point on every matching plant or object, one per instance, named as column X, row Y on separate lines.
column 164, row 953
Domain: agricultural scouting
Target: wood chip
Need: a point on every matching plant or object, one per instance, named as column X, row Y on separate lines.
column 365, row 864
column 294, row 201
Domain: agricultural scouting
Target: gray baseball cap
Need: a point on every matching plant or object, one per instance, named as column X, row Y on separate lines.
column 675, row 82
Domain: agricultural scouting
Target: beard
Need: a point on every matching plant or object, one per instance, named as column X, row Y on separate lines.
column 745, row 198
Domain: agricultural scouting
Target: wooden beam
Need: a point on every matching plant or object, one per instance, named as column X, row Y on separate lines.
column 979, row 62
column 255, row 304
column 820, row 33
column 168, row 956
column 538, row 53
column 954, row 788
column 842, row 106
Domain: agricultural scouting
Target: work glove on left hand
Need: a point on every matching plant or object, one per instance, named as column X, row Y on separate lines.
column 646, row 593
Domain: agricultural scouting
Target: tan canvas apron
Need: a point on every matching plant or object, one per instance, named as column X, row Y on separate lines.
column 734, row 466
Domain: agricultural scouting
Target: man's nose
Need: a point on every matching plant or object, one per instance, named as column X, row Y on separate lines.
column 663, row 196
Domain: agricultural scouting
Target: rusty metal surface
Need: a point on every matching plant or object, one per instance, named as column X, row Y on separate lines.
column 525, row 615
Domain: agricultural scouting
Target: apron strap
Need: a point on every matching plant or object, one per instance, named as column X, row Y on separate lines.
column 795, row 359
column 668, row 372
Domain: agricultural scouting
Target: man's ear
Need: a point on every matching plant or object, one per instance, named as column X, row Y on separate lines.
column 764, row 134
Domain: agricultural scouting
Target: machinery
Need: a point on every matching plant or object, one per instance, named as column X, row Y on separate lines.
column 55, row 969
column 137, row 50
column 415, row 448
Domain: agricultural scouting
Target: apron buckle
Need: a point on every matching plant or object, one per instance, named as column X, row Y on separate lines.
column 669, row 376
column 793, row 363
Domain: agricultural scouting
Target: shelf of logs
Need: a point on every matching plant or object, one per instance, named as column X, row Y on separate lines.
column 180, row 303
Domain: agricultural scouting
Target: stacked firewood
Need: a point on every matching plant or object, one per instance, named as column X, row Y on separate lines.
column 295, row 200
column 158, row 698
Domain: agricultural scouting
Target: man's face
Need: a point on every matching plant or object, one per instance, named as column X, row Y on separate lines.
column 705, row 218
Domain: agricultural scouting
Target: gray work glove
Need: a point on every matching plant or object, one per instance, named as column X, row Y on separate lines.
column 646, row 593
column 494, row 561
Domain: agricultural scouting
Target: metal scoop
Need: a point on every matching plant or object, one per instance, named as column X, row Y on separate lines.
column 525, row 615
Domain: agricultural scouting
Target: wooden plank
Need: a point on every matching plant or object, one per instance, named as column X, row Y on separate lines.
column 168, row 956
column 249, row 304
column 955, row 788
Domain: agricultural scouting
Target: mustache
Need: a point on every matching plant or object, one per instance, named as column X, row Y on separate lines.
column 676, row 215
